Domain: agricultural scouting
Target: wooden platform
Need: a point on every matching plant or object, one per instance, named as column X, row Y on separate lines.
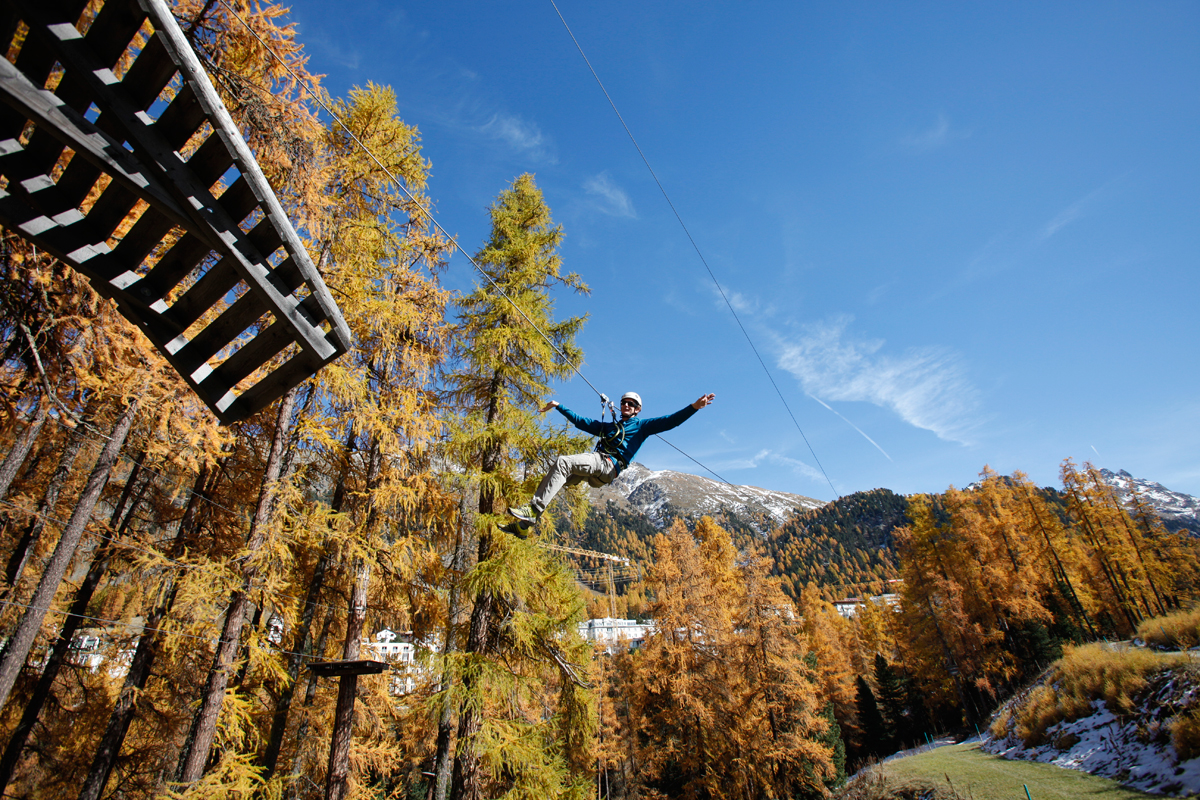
column 211, row 270
column 337, row 669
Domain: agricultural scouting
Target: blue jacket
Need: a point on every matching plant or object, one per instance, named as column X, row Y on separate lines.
column 622, row 439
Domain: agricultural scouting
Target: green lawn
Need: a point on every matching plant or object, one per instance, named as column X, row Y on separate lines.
column 980, row 776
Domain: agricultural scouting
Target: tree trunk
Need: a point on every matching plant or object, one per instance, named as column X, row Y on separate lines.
column 204, row 727
column 301, row 653
column 337, row 782
column 1074, row 599
column 443, row 758
column 66, row 465
column 465, row 782
column 31, row 621
column 465, row 785
column 21, row 447
column 1105, row 567
column 302, row 640
column 310, row 694
column 122, row 515
column 143, row 658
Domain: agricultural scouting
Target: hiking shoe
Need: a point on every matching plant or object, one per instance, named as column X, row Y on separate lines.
column 518, row 529
column 525, row 514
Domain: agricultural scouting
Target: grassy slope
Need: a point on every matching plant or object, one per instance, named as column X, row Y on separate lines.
column 981, row 776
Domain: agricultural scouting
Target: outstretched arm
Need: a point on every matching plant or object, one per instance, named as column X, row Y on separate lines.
column 660, row 424
column 583, row 423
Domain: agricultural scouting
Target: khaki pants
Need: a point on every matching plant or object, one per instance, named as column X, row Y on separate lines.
column 594, row 468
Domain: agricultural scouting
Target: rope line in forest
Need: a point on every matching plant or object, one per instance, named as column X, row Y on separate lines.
column 695, row 246
column 171, row 562
column 175, row 487
column 101, row 436
column 429, row 214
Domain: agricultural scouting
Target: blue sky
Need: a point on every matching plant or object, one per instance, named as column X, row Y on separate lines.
column 958, row 233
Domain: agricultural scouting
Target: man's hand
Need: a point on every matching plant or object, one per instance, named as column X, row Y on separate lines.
column 705, row 399
column 550, row 405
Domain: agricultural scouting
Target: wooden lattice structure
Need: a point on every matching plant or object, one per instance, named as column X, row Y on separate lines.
column 211, row 270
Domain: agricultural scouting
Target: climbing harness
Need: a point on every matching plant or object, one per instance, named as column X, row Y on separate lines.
column 609, row 444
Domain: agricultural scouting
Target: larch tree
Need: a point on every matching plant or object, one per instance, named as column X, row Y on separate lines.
column 376, row 414
column 518, row 678
column 723, row 702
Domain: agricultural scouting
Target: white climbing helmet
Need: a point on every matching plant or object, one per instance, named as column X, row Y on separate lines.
column 635, row 397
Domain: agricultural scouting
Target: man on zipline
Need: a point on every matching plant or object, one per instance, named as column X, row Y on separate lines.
column 619, row 443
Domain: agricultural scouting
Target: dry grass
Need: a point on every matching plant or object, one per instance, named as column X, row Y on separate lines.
column 1081, row 676
column 1179, row 631
column 875, row 784
column 1185, row 734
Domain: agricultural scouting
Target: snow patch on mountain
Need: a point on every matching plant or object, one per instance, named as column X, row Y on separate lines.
column 658, row 494
column 1176, row 509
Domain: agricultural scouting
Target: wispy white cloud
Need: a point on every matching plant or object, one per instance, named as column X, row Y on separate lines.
column 1071, row 213
column 518, row 134
column 795, row 465
column 609, row 198
column 743, row 305
column 937, row 135
column 926, row 387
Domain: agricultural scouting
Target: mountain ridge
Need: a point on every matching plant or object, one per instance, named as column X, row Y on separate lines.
column 1178, row 511
column 662, row 495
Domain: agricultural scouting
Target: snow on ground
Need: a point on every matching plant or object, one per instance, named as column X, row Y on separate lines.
column 1113, row 747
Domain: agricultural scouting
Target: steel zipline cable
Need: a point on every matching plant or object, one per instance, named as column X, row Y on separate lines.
column 695, row 246
column 412, row 199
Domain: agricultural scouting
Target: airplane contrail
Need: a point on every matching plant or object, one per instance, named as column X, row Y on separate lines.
column 852, row 425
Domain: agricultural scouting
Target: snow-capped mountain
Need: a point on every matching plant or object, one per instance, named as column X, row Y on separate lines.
column 663, row 494
column 1176, row 509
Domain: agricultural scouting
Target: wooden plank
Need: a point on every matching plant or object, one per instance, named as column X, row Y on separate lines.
column 149, row 74
column 113, row 29
column 252, row 355
column 180, row 119
column 143, row 237
column 327, row 669
column 193, row 71
column 210, row 161
column 73, row 242
column 312, row 309
column 178, row 262
column 204, row 294
column 292, row 373
column 287, row 276
column 85, row 139
column 9, row 19
column 35, row 60
column 154, row 173
column 109, row 22
column 78, row 179
column 232, row 322
column 29, row 180
column 266, row 239
column 43, row 150
column 70, row 243
column 114, row 203
column 175, row 179
column 238, row 200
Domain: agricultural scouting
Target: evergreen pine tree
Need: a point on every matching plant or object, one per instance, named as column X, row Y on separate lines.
column 875, row 738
